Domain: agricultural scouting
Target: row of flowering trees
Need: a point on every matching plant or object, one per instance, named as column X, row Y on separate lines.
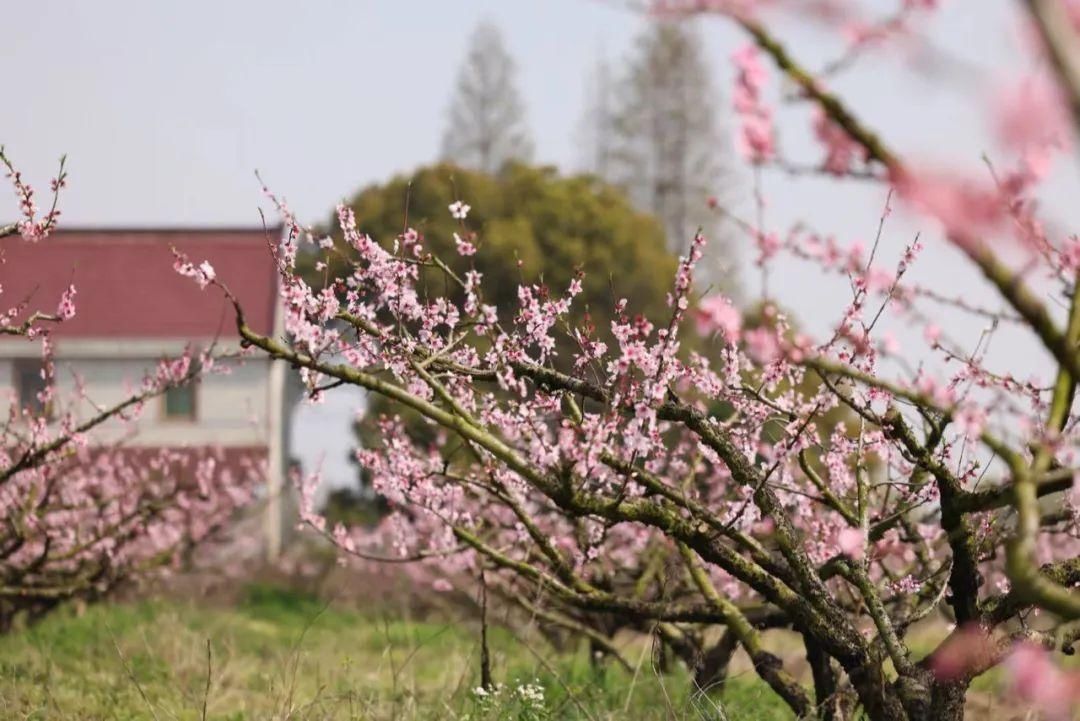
column 81, row 511
column 825, row 485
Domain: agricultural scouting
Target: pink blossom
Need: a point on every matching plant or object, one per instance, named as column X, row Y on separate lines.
column 717, row 313
column 859, row 32
column 31, row 227
column 464, row 247
column 889, row 343
column 940, row 394
column 66, row 309
column 765, row 527
column 768, row 244
column 1036, row 679
column 203, row 274
column 970, row 420
column 852, row 543
column 1032, row 113
column 756, row 141
column 459, row 210
column 762, row 344
column 966, row 207
column 1032, row 121
column 1072, row 9
column 840, row 149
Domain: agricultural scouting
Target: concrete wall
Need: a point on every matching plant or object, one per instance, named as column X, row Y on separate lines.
column 231, row 410
column 244, row 408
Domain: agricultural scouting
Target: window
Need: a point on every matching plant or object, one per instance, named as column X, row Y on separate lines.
column 29, row 383
column 180, row 403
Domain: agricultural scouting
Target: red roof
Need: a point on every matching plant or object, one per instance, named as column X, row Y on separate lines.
column 126, row 286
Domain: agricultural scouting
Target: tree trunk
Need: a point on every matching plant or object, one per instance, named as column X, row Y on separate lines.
column 947, row 701
column 827, row 695
column 712, row 669
column 879, row 699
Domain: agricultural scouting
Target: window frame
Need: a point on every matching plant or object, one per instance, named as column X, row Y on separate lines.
column 193, row 416
column 19, row 366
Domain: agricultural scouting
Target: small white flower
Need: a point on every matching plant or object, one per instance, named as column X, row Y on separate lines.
column 532, row 694
column 464, row 247
column 459, row 210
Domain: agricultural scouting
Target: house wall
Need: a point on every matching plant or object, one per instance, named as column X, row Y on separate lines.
column 231, row 409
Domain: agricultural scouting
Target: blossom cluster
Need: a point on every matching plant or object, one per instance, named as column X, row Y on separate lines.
column 757, row 141
column 84, row 510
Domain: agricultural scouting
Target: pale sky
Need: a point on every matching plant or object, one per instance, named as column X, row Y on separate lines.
column 166, row 110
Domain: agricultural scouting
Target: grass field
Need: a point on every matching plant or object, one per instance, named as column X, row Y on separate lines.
column 277, row 655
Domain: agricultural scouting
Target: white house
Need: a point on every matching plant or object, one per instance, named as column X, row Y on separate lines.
column 132, row 309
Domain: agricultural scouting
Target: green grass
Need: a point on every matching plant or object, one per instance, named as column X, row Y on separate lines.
column 280, row 655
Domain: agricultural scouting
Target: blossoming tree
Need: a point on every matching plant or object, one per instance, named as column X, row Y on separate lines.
column 80, row 512
column 706, row 489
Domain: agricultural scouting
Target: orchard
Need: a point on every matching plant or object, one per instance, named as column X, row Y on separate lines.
column 705, row 489
column 705, row 476
column 83, row 513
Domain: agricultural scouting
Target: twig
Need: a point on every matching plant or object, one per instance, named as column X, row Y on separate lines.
column 131, row 675
column 209, row 670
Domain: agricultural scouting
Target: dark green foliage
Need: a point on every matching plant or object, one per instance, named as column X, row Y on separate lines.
column 352, row 509
column 532, row 225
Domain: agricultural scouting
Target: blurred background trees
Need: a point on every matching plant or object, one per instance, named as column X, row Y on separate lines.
column 486, row 119
column 654, row 131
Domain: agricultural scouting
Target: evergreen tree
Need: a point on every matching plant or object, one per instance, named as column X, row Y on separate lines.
column 596, row 132
column 486, row 122
column 667, row 151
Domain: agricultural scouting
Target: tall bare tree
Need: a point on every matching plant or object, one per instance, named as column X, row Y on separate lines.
column 596, row 132
column 486, row 123
column 667, row 152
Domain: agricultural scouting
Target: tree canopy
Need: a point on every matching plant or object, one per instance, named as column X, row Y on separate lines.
column 533, row 225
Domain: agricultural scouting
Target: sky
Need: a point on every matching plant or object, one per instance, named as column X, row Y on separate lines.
column 166, row 110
